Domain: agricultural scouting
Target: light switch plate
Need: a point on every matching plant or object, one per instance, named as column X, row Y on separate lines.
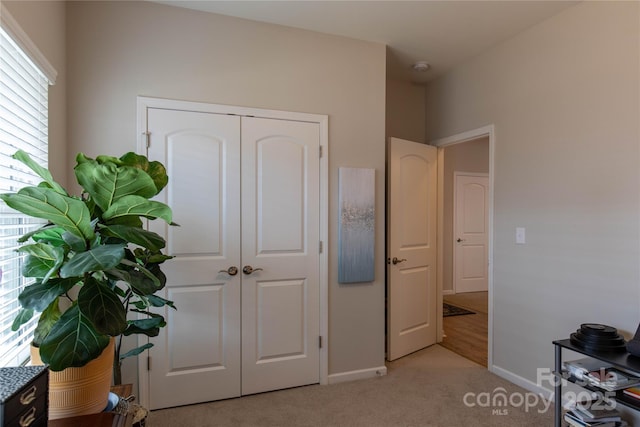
column 520, row 236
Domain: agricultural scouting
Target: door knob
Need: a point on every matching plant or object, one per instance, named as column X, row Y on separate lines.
column 460, row 240
column 395, row 260
column 247, row 269
column 231, row 271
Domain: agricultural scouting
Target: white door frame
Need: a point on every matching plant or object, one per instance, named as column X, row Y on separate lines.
column 143, row 103
column 441, row 144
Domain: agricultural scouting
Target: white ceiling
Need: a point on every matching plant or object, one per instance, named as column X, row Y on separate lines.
column 443, row 33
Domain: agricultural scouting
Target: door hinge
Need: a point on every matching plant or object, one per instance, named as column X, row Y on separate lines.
column 320, row 246
column 148, row 363
column 320, row 341
column 148, row 139
column 320, row 151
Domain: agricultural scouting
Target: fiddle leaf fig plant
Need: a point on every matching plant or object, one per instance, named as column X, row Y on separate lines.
column 93, row 262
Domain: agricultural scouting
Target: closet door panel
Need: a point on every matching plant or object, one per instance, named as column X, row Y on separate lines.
column 198, row 352
column 280, row 226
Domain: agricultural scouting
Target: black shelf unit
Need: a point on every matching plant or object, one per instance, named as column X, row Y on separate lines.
column 619, row 359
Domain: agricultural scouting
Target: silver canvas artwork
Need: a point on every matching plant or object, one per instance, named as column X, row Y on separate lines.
column 356, row 241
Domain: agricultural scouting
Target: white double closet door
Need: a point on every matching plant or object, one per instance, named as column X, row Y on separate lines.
column 245, row 193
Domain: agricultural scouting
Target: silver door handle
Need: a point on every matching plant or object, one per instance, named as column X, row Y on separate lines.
column 231, row 271
column 395, row 260
column 247, row 269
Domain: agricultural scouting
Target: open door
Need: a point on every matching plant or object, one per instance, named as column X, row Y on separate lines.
column 411, row 247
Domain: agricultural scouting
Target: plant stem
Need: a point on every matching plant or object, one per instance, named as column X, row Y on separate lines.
column 117, row 363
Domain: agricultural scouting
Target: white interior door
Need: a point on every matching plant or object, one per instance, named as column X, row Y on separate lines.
column 471, row 222
column 411, row 247
column 196, row 358
column 245, row 192
column 280, row 226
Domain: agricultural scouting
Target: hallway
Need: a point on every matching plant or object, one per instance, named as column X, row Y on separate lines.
column 467, row 335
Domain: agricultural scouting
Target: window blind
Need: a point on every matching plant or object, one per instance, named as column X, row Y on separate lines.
column 23, row 125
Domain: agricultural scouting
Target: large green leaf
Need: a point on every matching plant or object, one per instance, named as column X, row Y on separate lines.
column 72, row 341
column 43, row 260
column 42, row 172
column 49, row 233
column 74, row 242
column 156, row 170
column 48, row 318
column 70, row 214
column 138, row 206
column 150, row 332
column 135, row 235
column 24, row 315
column 136, row 351
column 103, row 307
column 99, row 258
column 150, row 257
column 39, row 296
column 158, row 274
column 135, row 160
column 158, row 258
column 153, row 273
column 108, row 159
column 158, row 173
column 149, row 327
column 142, row 282
column 131, row 221
column 106, row 183
column 157, row 301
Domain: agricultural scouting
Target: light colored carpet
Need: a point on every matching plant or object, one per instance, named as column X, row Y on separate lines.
column 424, row 389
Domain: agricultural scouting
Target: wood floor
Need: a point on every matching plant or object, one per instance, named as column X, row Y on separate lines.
column 467, row 335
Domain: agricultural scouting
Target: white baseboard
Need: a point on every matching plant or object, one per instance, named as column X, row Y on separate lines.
column 360, row 374
column 522, row 382
column 448, row 292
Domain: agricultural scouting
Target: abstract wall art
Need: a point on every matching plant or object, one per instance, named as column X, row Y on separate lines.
column 356, row 240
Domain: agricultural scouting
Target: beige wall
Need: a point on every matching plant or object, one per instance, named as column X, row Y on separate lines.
column 44, row 23
column 118, row 50
column 564, row 99
column 405, row 111
column 471, row 156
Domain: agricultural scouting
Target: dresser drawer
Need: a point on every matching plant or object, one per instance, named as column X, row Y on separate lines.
column 35, row 415
column 23, row 394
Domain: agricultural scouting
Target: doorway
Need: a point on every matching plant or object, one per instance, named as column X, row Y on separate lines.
column 470, row 334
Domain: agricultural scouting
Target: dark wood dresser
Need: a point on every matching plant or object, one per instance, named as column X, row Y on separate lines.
column 24, row 396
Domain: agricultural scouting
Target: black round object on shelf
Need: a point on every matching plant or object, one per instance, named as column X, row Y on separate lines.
column 595, row 329
column 596, row 337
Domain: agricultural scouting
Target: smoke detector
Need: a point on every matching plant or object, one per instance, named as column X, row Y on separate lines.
column 421, row 66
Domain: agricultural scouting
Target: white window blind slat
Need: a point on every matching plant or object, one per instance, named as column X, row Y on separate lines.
column 23, row 125
column 15, row 177
column 25, row 79
column 30, row 124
